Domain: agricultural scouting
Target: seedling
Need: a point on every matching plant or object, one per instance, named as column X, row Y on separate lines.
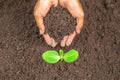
column 52, row 56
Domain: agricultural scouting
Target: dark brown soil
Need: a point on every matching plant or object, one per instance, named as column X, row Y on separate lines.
column 59, row 22
column 21, row 46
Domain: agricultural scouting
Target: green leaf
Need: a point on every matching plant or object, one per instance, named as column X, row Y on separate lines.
column 71, row 56
column 51, row 56
column 61, row 54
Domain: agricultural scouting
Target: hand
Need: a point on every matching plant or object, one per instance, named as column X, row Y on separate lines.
column 42, row 7
column 75, row 8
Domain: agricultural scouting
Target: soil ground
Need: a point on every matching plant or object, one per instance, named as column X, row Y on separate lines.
column 98, row 44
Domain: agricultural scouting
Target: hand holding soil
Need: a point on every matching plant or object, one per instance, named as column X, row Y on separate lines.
column 74, row 7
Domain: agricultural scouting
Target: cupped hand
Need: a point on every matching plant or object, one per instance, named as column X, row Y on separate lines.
column 75, row 8
column 41, row 9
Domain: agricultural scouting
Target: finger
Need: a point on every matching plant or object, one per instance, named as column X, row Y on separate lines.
column 53, row 43
column 63, row 42
column 70, row 39
column 50, row 41
column 80, row 21
column 47, row 38
column 41, row 26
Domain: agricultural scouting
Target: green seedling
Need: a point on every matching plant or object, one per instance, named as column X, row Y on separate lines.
column 52, row 56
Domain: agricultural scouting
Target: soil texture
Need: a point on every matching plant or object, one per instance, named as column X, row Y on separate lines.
column 98, row 44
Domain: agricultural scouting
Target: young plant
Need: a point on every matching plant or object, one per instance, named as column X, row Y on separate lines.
column 52, row 56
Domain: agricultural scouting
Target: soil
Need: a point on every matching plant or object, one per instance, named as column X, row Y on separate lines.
column 59, row 22
column 98, row 44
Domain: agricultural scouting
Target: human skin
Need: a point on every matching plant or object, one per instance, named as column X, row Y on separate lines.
column 42, row 7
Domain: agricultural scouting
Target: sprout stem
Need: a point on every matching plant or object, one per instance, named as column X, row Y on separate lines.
column 61, row 54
